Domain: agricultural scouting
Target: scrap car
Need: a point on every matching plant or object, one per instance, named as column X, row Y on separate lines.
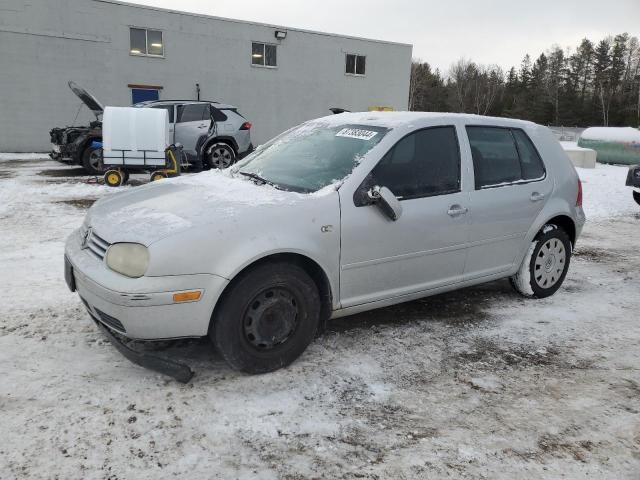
column 340, row 215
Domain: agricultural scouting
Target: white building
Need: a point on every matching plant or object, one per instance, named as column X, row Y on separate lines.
column 276, row 76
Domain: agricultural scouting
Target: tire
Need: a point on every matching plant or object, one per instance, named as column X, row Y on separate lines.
column 113, row 178
column 545, row 266
column 267, row 318
column 636, row 196
column 157, row 175
column 92, row 161
column 219, row 155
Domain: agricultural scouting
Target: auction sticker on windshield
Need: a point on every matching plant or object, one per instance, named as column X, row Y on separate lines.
column 356, row 133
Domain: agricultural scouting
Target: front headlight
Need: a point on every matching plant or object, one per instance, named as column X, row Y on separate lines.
column 130, row 259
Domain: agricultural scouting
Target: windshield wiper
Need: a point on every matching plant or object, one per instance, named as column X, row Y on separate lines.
column 256, row 177
column 262, row 181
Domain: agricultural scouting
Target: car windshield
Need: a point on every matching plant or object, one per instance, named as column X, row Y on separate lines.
column 311, row 156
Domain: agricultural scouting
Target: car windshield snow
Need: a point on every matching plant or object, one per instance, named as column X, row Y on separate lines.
column 311, row 156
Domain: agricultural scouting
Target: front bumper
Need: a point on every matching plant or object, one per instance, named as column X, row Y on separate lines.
column 142, row 308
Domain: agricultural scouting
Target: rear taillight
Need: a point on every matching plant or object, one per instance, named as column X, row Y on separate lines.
column 579, row 199
column 246, row 126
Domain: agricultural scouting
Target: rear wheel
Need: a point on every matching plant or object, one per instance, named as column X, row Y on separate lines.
column 219, row 155
column 545, row 266
column 158, row 175
column 92, row 161
column 267, row 318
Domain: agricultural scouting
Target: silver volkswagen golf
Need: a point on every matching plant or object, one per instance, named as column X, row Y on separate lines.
column 340, row 215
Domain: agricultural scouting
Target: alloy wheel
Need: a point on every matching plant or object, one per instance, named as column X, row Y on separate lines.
column 220, row 156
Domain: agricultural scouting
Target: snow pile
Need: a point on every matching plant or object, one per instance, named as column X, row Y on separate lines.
column 604, row 192
column 612, row 134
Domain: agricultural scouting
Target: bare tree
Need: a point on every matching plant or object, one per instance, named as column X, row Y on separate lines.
column 475, row 87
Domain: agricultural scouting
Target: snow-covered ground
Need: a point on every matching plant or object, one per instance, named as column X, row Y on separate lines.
column 22, row 156
column 479, row 383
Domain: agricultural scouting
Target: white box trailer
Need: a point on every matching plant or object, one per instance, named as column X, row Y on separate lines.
column 134, row 136
column 137, row 139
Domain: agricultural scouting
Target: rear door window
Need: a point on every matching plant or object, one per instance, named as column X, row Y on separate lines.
column 502, row 156
column 422, row 164
column 193, row 112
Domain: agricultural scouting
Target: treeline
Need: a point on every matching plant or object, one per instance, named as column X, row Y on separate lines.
column 597, row 84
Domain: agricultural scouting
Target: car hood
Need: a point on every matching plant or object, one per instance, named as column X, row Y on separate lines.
column 89, row 100
column 152, row 212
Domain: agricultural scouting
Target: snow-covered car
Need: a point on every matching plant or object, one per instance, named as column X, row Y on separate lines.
column 340, row 215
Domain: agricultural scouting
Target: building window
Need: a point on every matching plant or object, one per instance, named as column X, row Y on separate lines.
column 263, row 55
column 355, row 64
column 146, row 42
column 144, row 95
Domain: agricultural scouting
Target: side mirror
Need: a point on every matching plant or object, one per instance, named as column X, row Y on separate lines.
column 386, row 201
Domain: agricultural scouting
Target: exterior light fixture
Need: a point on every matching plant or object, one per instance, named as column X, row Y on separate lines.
column 281, row 34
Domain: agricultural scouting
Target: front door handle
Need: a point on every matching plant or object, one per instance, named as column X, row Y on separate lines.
column 456, row 210
column 536, row 196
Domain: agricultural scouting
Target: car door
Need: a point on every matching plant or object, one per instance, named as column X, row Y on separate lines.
column 511, row 188
column 192, row 122
column 423, row 249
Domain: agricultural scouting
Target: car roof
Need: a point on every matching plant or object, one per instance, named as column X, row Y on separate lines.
column 398, row 119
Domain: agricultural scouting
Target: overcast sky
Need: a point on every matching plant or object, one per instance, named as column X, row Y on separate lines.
column 487, row 31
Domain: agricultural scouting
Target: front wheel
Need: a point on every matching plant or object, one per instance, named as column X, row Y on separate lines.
column 92, row 161
column 158, row 175
column 545, row 266
column 267, row 318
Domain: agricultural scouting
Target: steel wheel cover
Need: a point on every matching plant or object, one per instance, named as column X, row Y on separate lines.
column 550, row 263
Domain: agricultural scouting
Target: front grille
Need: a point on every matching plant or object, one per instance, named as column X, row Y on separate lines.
column 111, row 321
column 94, row 243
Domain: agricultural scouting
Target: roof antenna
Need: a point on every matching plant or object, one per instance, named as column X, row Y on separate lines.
column 198, row 90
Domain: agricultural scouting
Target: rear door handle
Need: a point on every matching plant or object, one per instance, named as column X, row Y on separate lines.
column 456, row 210
column 536, row 196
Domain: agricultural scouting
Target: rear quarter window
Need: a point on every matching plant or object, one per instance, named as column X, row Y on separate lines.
column 503, row 156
